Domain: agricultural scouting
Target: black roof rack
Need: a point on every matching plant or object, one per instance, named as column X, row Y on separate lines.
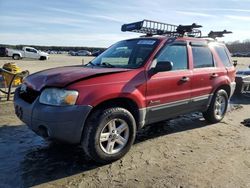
column 151, row 28
column 189, row 29
column 216, row 34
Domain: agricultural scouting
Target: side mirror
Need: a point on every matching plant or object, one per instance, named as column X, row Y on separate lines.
column 163, row 66
column 235, row 62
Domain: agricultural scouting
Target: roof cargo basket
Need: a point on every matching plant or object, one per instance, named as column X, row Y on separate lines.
column 216, row 34
column 151, row 28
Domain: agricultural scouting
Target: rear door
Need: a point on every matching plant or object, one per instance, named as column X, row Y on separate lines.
column 205, row 75
column 168, row 93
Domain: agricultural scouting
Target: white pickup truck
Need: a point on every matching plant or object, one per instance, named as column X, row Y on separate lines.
column 27, row 52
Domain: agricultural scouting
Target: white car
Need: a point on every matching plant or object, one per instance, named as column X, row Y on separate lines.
column 27, row 52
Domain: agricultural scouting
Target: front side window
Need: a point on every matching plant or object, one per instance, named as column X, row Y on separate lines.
column 126, row 54
column 177, row 54
column 202, row 57
column 31, row 50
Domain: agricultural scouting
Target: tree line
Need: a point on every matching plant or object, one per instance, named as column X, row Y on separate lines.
column 239, row 47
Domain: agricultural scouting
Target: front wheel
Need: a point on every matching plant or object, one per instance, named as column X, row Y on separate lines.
column 42, row 58
column 109, row 134
column 217, row 108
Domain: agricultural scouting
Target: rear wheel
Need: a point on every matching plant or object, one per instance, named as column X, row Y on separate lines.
column 109, row 134
column 217, row 108
column 16, row 57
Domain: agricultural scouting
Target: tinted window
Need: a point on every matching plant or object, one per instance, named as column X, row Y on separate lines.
column 176, row 54
column 223, row 56
column 202, row 57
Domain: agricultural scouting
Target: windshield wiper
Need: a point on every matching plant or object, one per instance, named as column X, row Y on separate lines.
column 90, row 63
column 107, row 64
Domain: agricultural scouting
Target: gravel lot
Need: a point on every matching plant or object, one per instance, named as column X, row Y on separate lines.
column 184, row 152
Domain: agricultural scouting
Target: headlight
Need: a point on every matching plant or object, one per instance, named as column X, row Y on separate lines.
column 58, row 97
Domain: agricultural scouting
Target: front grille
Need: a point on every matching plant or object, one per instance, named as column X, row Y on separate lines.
column 29, row 95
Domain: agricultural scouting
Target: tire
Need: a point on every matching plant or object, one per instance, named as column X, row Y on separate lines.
column 42, row 58
column 115, row 142
column 16, row 57
column 217, row 108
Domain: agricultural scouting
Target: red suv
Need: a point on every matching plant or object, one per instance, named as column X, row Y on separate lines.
column 134, row 83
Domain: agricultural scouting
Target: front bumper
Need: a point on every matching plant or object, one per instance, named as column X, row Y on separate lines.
column 63, row 123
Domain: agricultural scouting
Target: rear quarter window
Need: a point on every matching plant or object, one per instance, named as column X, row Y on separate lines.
column 223, row 56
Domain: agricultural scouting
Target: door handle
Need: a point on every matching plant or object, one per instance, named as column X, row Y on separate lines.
column 214, row 75
column 185, row 79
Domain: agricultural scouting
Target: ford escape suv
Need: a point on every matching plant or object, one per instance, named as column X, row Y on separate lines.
column 171, row 70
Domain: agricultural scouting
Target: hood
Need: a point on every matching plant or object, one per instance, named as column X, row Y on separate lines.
column 63, row 76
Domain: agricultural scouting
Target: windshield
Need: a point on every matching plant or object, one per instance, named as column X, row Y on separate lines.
column 126, row 54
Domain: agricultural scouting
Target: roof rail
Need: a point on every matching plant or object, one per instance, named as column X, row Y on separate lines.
column 151, row 28
column 216, row 34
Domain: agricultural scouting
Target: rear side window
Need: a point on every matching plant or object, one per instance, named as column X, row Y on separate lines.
column 202, row 57
column 223, row 56
column 176, row 54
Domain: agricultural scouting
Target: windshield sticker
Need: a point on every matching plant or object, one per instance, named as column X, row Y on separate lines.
column 146, row 42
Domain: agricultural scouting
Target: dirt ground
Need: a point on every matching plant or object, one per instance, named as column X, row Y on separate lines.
column 184, row 152
column 55, row 60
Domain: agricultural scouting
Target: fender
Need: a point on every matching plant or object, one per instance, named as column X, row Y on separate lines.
column 127, row 84
column 97, row 95
column 220, row 81
column 18, row 53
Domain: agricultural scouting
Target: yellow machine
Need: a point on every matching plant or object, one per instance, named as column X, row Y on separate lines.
column 14, row 69
column 11, row 76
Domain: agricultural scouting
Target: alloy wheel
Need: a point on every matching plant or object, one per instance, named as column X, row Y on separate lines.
column 114, row 136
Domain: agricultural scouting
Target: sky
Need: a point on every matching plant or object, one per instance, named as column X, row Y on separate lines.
column 97, row 23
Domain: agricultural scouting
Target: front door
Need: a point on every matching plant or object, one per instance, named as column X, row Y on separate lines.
column 31, row 53
column 168, row 93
